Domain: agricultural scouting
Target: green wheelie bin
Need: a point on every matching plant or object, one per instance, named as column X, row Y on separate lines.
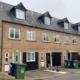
column 75, row 64
column 20, row 71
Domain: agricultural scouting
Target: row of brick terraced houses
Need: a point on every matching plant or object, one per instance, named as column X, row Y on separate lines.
column 38, row 40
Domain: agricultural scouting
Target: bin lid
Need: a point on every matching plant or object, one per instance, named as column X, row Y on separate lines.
column 19, row 64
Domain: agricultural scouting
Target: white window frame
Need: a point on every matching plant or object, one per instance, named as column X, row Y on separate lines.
column 66, row 25
column 43, row 34
column 79, row 28
column 18, row 14
column 47, row 20
column 7, row 57
column 58, row 37
column 14, row 34
column 74, row 38
column 31, row 33
column 30, row 57
column 42, row 56
column 65, row 37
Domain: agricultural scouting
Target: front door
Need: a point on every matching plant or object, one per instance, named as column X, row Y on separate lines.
column 47, row 59
column 16, row 57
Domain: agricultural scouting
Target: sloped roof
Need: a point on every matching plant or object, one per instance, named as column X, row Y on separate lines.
column 63, row 20
column 20, row 5
column 32, row 20
column 46, row 14
column 76, row 24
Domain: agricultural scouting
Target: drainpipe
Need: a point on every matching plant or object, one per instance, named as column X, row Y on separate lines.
column 1, row 43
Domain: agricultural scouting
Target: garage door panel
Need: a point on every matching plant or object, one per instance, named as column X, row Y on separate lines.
column 56, row 59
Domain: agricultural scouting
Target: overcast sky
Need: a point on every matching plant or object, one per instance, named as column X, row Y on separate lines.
column 57, row 8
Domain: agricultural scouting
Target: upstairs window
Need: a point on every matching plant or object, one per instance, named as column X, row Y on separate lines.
column 74, row 40
column 31, row 35
column 20, row 14
column 66, row 25
column 57, row 39
column 46, row 37
column 67, row 39
column 14, row 33
column 79, row 28
column 47, row 21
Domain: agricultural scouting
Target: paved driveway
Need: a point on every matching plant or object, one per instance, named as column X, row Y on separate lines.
column 72, row 74
column 40, row 75
column 45, row 75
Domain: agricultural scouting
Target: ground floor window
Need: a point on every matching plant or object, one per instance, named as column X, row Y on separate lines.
column 42, row 56
column 30, row 56
column 6, row 57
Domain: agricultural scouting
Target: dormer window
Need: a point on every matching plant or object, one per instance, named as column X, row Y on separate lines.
column 66, row 25
column 19, row 11
column 47, row 20
column 20, row 14
column 79, row 28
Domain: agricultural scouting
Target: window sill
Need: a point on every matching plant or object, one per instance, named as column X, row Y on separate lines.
column 74, row 43
column 14, row 39
column 46, row 41
column 67, row 43
column 57, row 42
column 47, row 24
column 20, row 19
column 31, row 61
column 31, row 40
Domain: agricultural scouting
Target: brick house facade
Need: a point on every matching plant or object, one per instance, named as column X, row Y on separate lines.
column 61, row 43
